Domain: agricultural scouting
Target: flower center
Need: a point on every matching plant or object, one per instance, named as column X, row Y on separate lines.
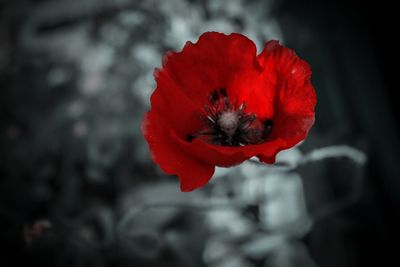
column 228, row 124
column 228, row 121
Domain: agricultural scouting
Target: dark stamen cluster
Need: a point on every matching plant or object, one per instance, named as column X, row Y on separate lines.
column 228, row 124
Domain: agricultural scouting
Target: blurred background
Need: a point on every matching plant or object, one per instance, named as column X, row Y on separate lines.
column 78, row 188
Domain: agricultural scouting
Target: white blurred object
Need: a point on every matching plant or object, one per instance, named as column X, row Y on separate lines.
column 289, row 156
column 261, row 245
column 215, row 249
column 229, row 221
column 221, row 172
column 284, row 209
column 288, row 160
column 291, row 254
column 336, row 152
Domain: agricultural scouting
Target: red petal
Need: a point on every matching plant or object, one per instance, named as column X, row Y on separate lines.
column 256, row 89
column 295, row 97
column 211, row 63
column 172, row 160
column 176, row 108
column 226, row 156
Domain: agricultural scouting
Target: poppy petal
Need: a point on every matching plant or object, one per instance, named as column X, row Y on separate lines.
column 226, row 156
column 176, row 108
column 210, row 64
column 295, row 97
column 256, row 89
column 172, row 160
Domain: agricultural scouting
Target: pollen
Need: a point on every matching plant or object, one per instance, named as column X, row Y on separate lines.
column 228, row 121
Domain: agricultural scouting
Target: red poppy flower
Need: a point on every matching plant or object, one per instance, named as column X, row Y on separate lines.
column 217, row 103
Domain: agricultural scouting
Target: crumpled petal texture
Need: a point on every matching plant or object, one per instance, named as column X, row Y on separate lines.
column 275, row 85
